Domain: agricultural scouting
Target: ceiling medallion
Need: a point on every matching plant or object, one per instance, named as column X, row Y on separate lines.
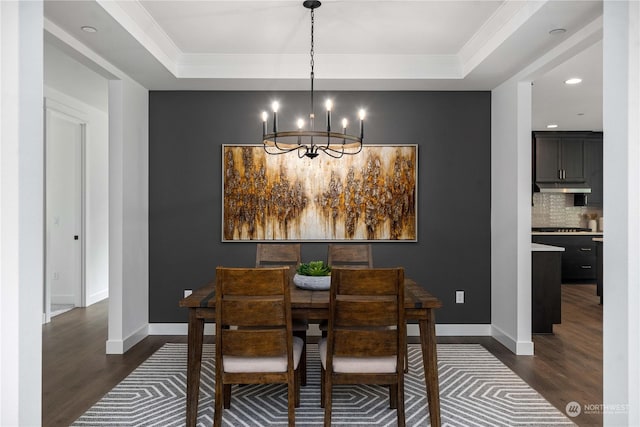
column 307, row 141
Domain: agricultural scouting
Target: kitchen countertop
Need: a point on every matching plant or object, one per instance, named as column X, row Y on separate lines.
column 539, row 247
column 567, row 233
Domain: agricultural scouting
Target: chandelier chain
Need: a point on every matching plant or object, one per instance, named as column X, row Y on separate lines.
column 312, row 63
column 312, row 51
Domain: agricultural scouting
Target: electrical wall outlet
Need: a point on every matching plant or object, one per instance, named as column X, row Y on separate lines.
column 459, row 297
column 187, row 292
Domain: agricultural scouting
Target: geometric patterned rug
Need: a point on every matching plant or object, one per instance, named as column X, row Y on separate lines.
column 476, row 389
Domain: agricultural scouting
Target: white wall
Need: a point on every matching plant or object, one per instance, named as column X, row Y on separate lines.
column 510, row 216
column 621, row 126
column 128, row 214
column 21, row 213
column 96, row 188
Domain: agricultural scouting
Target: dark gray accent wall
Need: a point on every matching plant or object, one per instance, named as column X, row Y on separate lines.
column 452, row 129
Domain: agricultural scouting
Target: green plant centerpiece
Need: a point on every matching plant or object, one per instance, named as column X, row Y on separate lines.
column 313, row 275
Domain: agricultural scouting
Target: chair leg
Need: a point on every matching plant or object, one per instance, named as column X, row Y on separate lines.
column 322, row 386
column 400, row 407
column 291, row 388
column 327, row 401
column 217, row 415
column 296, row 379
column 393, row 396
column 302, row 366
column 226, row 391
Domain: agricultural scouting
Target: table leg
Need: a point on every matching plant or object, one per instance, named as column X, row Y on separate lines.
column 430, row 361
column 194, row 359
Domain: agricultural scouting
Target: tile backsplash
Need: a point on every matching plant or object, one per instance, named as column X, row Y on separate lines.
column 557, row 210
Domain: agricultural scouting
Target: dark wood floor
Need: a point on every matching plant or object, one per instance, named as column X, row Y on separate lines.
column 76, row 372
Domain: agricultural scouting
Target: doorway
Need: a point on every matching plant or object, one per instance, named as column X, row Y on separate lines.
column 65, row 135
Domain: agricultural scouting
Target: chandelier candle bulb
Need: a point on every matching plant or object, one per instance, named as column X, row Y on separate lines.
column 344, row 130
column 275, row 106
column 264, row 123
column 362, row 114
column 329, row 105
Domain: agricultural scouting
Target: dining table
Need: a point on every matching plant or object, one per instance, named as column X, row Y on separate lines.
column 313, row 306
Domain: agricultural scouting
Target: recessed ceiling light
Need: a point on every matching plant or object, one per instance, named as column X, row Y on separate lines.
column 552, row 126
column 573, row 81
column 89, row 29
column 557, row 31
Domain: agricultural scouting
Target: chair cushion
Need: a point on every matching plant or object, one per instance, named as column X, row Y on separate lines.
column 363, row 365
column 237, row 364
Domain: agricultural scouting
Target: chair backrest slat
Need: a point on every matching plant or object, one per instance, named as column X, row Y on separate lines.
column 352, row 312
column 251, row 281
column 350, row 255
column 279, row 255
column 363, row 282
column 283, row 254
column 366, row 343
column 254, row 342
column 249, row 312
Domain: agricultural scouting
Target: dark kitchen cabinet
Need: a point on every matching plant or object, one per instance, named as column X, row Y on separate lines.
column 593, row 168
column 559, row 157
column 546, row 297
column 578, row 259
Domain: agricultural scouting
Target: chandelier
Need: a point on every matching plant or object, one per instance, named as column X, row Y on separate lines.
column 307, row 141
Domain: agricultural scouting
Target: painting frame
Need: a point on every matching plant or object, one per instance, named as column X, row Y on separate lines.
column 368, row 197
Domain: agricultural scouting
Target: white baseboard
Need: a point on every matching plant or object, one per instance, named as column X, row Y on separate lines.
column 121, row 346
column 459, row 330
column 178, row 328
column 462, row 330
column 520, row 348
column 97, row 297
column 63, row 299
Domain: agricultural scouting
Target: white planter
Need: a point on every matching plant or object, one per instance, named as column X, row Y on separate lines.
column 314, row 283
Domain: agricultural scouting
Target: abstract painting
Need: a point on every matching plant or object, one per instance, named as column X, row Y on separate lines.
column 371, row 196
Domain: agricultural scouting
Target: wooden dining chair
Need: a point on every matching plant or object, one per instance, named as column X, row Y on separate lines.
column 350, row 256
column 286, row 255
column 366, row 340
column 254, row 341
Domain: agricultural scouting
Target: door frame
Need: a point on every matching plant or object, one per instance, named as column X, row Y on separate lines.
column 76, row 116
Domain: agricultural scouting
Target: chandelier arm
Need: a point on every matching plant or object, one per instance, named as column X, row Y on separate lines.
column 277, row 153
column 279, row 150
column 330, row 152
column 341, row 150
